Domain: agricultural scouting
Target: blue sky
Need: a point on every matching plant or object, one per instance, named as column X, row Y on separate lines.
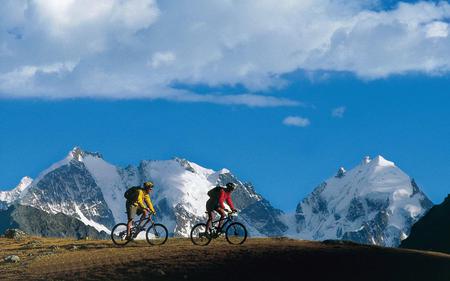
column 282, row 101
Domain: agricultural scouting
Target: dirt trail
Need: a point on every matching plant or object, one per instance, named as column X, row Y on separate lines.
column 178, row 259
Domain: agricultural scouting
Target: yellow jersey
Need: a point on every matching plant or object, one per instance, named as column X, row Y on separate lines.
column 144, row 197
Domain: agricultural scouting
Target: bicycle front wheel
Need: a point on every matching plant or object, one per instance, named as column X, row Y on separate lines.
column 199, row 236
column 157, row 234
column 236, row 233
column 119, row 233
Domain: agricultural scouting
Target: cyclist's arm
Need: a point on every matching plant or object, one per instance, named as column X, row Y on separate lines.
column 230, row 202
column 148, row 201
column 222, row 199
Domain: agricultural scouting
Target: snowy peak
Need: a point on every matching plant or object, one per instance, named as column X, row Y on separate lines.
column 85, row 186
column 18, row 192
column 76, row 153
column 375, row 203
column 79, row 154
column 380, row 161
column 366, row 160
column 377, row 161
column 193, row 167
column 24, row 184
column 340, row 173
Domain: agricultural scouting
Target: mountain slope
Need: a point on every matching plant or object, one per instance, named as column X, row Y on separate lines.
column 69, row 188
column 257, row 259
column 36, row 222
column 374, row 203
column 432, row 231
column 16, row 193
column 84, row 186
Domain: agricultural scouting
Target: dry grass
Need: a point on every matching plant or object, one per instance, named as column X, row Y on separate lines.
column 178, row 259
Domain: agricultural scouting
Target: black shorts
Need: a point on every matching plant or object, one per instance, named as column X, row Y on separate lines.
column 211, row 205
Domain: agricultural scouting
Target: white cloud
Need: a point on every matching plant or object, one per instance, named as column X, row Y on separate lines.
column 296, row 121
column 437, row 29
column 66, row 18
column 240, row 99
column 139, row 48
column 162, row 58
column 338, row 112
column 24, row 77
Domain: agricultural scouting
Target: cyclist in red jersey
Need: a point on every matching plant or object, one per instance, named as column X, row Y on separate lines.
column 217, row 197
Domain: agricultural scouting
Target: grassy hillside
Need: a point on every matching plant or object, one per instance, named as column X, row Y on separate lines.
column 257, row 259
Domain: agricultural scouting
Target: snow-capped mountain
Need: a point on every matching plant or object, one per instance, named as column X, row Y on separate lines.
column 16, row 193
column 83, row 185
column 373, row 203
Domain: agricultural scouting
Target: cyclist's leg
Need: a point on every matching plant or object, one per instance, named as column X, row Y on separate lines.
column 129, row 224
column 222, row 216
column 209, row 221
column 143, row 213
column 131, row 213
column 210, row 206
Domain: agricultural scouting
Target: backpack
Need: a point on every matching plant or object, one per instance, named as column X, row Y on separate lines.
column 132, row 193
column 214, row 193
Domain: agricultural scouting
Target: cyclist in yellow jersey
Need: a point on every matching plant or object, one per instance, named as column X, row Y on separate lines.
column 138, row 203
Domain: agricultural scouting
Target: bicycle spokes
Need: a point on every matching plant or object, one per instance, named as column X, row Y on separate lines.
column 119, row 233
column 157, row 234
column 236, row 233
column 199, row 235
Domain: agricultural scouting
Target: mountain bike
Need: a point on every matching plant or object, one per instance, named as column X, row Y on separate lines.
column 235, row 232
column 156, row 233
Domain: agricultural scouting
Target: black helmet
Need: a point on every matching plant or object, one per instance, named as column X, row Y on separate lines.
column 231, row 185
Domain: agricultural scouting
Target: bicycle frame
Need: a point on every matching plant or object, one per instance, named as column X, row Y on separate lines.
column 148, row 219
column 229, row 218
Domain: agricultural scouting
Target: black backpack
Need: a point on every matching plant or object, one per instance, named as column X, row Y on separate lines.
column 132, row 193
column 214, row 193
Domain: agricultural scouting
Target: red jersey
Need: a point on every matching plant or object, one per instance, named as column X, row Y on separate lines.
column 225, row 197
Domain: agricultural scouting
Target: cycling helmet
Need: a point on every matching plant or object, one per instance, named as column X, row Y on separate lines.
column 231, row 185
column 148, row 184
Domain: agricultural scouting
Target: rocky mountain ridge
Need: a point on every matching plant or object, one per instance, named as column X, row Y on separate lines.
column 84, row 186
column 39, row 223
column 373, row 203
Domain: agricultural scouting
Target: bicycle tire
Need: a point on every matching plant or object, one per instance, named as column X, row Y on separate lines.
column 161, row 232
column 242, row 234
column 119, row 239
column 196, row 235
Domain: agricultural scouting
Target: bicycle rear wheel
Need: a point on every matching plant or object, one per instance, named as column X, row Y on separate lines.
column 118, row 234
column 236, row 233
column 199, row 236
column 157, row 234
